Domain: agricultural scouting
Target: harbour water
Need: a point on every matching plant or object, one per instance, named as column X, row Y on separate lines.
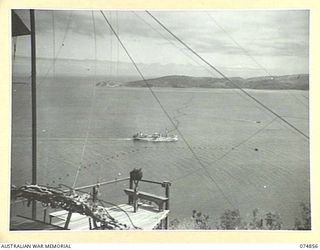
column 257, row 161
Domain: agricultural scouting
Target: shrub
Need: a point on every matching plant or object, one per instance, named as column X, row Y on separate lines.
column 304, row 222
column 231, row 220
column 198, row 221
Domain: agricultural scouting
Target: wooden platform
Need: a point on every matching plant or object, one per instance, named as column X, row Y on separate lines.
column 146, row 218
column 23, row 223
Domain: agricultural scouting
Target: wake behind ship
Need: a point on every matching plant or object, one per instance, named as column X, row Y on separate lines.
column 155, row 137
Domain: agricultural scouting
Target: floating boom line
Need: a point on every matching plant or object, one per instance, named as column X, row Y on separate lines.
column 166, row 113
column 227, row 78
column 230, row 150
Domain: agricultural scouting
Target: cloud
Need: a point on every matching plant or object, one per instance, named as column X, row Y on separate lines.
column 283, row 48
column 125, row 22
column 267, row 28
column 226, row 36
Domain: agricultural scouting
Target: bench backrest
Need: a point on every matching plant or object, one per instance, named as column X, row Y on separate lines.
column 159, row 200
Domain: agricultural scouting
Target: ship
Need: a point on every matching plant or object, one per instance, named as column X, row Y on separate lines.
column 155, row 137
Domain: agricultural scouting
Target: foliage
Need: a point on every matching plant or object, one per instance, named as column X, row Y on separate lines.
column 232, row 220
column 201, row 221
column 304, row 222
column 197, row 221
column 257, row 221
column 272, row 221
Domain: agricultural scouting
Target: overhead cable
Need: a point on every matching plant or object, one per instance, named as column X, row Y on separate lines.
column 227, row 78
column 166, row 113
column 92, row 103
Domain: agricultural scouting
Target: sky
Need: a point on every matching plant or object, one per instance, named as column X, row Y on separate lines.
column 238, row 43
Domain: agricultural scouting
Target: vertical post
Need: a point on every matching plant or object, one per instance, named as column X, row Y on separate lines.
column 130, row 198
column 34, row 108
column 135, row 199
column 66, row 225
column 95, row 191
column 94, row 223
column 90, row 226
column 167, row 185
column 44, row 215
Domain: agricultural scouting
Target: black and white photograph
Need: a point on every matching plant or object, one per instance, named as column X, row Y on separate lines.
column 160, row 120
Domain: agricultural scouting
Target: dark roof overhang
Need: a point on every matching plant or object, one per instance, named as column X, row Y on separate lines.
column 18, row 27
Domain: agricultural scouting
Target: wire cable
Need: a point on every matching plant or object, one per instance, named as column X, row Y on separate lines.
column 173, row 44
column 71, row 189
column 193, row 59
column 53, row 44
column 111, row 47
column 103, row 201
column 236, row 43
column 92, row 104
column 95, row 44
column 166, row 113
column 227, row 78
column 61, row 45
column 232, row 148
column 117, row 25
column 121, row 209
column 249, row 55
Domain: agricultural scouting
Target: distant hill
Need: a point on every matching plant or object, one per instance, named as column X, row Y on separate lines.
column 300, row 81
column 111, row 74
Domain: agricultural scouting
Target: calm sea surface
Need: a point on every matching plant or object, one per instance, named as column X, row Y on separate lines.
column 250, row 160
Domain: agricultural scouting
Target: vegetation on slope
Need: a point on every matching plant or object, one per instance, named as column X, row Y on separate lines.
column 266, row 82
column 232, row 220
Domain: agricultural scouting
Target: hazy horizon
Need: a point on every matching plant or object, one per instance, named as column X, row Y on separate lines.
column 47, row 67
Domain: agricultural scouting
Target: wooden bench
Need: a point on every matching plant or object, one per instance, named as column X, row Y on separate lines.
column 159, row 200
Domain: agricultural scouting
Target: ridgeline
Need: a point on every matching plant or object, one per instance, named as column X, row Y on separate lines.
column 300, row 82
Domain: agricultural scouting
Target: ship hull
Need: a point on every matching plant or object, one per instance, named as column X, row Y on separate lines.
column 165, row 139
column 156, row 137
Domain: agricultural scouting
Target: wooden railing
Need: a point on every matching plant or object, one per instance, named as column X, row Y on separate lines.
column 165, row 184
column 101, row 183
column 165, row 200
